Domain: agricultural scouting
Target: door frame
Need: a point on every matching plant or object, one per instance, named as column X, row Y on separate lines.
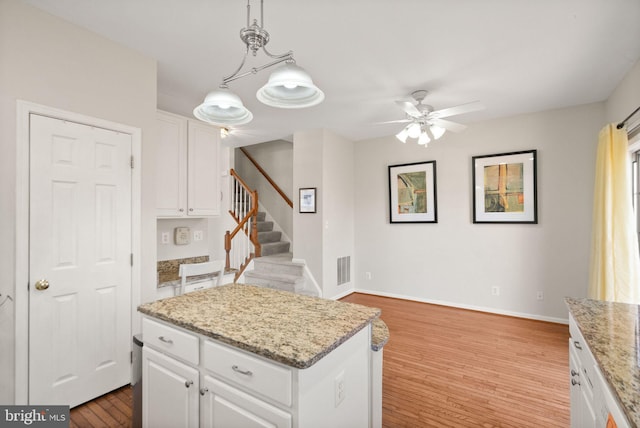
column 24, row 110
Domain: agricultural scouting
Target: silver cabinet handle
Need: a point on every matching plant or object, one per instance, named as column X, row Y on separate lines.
column 239, row 370
column 575, row 382
column 574, row 373
column 204, row 390
column 577, row 345
column 181, row 210
column 165, row 340
column 190, row 209
column 188, row 383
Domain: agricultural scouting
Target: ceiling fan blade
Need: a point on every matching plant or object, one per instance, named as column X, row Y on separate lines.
column 461, row 109
column 448, row 125
column 409, row 108
column 395, row 121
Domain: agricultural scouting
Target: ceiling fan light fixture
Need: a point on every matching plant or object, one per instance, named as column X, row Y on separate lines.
column 413, row 130
column 402, row 135
column 436, row 131
column 223, row 107
column 423, row 139
column 289, row 86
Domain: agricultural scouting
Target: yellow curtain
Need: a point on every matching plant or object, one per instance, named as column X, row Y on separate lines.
column 615, row 263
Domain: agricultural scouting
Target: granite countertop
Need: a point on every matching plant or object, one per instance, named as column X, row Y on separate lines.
column 612, row 332
column 285, row 327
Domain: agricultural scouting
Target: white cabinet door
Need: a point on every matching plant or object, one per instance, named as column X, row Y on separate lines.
column 169, row 392
column 203, row 178
column 223, row 406
column 171, row 165
column 187, row 167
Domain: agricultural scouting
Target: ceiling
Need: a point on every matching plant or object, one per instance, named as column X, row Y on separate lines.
column 515, row 56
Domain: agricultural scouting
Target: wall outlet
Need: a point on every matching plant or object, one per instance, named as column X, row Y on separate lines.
column 367, row 275
column 495, row 290
column 339, row 388
column 164, row 238
column 198, row 235
column 540, row 295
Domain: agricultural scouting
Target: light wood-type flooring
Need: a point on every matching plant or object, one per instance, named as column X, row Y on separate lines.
column 443, row 367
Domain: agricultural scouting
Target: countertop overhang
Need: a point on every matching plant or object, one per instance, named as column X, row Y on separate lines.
column 612, row 334
column 289, row 328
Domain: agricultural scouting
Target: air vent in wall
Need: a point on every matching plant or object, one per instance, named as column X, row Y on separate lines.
column 344, row 270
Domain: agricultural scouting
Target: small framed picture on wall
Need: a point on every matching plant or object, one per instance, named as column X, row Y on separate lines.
column 307, row 202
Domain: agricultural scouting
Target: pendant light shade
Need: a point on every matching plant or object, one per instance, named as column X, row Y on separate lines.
column 223, row 107
column 402, row 135
column 289, row 86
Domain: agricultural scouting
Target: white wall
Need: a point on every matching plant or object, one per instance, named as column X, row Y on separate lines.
column 626, row 98
column 48, row 61
column 307, row 172
column 457, row 262
column 324, row 160
column 338, row 215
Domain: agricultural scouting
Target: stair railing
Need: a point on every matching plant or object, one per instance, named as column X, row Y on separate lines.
column 241, row 248
column 269, row 179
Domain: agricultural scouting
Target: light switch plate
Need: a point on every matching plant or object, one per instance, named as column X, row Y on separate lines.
column 182, row 236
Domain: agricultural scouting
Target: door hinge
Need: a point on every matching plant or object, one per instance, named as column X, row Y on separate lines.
column 131, row 355
column 131, row 259
column 131, row 162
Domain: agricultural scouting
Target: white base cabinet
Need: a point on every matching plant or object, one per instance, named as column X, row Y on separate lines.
column 222, row 386
column 187, row 167
column 592, row 401
column 169, row 392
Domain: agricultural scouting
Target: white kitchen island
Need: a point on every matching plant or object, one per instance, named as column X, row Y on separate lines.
column 246, row 356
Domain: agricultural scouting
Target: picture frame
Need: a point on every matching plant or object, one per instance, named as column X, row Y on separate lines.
column 307, row 202
column 505, row 188
column 413, row 193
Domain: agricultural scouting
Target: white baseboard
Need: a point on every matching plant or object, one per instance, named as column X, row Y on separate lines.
column 462, row 306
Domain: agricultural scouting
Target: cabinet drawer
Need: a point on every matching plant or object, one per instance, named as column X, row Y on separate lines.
column 269, row 379
column 170, row 340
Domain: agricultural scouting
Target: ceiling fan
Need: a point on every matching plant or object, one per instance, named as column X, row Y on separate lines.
column 425, row 123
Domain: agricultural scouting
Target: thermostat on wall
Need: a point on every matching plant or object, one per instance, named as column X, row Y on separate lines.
column 182, row 235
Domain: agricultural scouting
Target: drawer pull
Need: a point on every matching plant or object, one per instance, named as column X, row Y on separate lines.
column 165, row 340
column 243, row 372
column 575, row 382
column 203, row 391
column 577, row 345
column 188, row 383
column 574, row 373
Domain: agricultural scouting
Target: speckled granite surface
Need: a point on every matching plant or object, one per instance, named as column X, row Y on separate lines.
column 379, row 334
column 168, row 269
column 285, row 327
column 611, row 331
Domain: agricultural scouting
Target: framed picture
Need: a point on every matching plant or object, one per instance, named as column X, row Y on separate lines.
column 504, row 188
column 412, row 193
column 308, row 200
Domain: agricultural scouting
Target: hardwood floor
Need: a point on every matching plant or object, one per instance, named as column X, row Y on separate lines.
column 447, row 367
column 443, row 367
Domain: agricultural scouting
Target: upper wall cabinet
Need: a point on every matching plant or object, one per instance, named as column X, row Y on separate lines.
column 187, row 167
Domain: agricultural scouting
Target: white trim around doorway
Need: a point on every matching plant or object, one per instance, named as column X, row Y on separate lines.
column 24, row 109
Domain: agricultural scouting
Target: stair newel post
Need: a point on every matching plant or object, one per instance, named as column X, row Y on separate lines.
column 227, row 249
column 254, row 225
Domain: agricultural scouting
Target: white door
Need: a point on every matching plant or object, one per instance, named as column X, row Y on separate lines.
column 79, row 261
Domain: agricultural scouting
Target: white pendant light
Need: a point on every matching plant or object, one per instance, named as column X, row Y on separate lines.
column 289, row 86
column 223, row 107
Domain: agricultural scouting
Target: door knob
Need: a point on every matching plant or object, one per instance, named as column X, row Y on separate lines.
column 42, row 284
